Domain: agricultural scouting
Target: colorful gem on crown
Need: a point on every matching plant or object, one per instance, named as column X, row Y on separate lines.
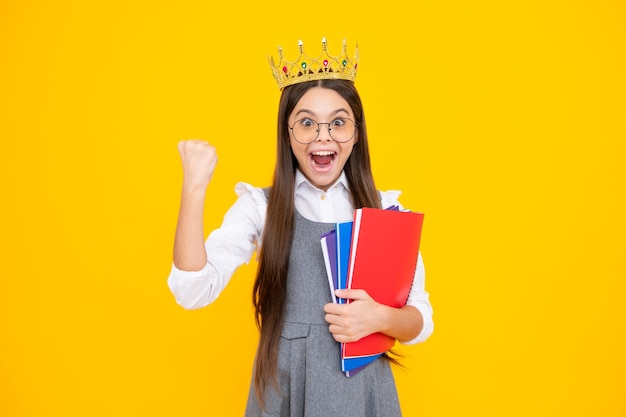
column 322, row 67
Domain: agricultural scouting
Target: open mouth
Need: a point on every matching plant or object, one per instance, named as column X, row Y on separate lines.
column 323, row 159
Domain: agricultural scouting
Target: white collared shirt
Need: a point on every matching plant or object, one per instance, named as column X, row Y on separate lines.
column 334, row 205
column 236, row 240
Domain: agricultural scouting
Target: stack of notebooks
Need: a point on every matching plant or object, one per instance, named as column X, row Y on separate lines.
column 377, row 252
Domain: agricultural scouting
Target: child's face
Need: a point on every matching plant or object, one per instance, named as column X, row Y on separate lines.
column 322, row 160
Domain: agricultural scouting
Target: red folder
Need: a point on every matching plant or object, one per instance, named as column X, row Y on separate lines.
column 383, row 257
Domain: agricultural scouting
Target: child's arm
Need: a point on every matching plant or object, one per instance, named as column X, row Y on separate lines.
column 199, row 160
column 364, row 316
column 410, row 324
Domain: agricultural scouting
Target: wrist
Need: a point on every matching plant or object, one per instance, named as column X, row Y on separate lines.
column 385, row 317
column 194, row 187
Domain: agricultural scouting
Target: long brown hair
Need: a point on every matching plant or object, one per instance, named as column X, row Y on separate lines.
column 270, row 287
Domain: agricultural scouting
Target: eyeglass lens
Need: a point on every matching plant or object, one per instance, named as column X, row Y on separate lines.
column 307, row 130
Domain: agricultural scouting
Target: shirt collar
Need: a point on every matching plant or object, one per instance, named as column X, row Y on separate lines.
column 301, row 179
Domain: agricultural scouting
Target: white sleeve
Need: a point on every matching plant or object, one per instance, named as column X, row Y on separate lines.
column 227, row 247
column 418, row 297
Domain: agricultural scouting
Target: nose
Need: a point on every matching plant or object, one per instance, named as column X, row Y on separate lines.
column 324, row 132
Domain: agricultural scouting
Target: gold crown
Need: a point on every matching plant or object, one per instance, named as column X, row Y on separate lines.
column 306, row 68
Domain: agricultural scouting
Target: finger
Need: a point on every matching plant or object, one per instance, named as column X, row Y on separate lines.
column 336, row 330
column 339, row 331
column 351, row 294
column 332, row 308
column 332, row 319
column 342, row 338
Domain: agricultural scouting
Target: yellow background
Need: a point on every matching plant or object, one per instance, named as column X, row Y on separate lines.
column 502, row 121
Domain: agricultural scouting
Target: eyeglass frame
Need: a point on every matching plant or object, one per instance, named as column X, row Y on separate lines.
column 318, row 129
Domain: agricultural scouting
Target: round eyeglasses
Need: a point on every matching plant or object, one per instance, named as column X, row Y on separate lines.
column 307, row 130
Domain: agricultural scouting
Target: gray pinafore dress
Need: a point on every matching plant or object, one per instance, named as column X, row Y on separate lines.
column 309, row 367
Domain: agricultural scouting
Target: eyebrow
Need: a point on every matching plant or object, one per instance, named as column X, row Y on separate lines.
column 311, row 113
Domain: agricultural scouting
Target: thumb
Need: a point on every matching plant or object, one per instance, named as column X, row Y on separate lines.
column 351, row 294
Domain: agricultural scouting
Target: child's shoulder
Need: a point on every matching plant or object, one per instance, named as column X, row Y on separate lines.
column 390, row 198
column 258, row 194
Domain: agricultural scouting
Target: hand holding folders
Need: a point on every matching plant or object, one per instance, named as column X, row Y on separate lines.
column 379, row 256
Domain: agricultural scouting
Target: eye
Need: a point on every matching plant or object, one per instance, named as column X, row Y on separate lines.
column 306, row 122
column 338, row 122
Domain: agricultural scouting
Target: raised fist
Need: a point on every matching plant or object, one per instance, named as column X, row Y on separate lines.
column 199, row 159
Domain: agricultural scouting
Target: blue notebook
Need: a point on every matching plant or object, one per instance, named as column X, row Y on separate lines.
column 343, row 234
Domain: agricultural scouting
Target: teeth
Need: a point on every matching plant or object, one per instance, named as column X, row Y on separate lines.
column 323, row 153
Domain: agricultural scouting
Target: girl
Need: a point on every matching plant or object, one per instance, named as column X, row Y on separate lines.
column 322, row 174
